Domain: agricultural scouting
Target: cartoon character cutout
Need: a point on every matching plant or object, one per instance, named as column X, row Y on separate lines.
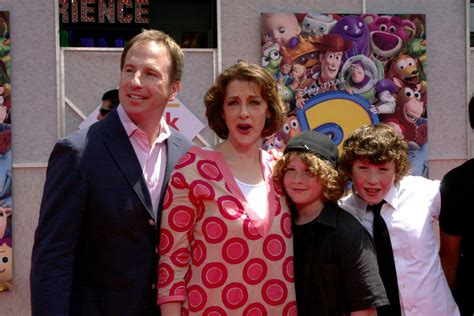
column 271, row 58
column 407, row 118
column 388, row 35
column 6, row 267
column 384, row 90
column 360, row 75
column 5, row 214
column 306, row 54
column 282, row 28
column 331, row 47
column 405, row 68
column 275, row 142
column 290, row 128
column 314, row 24
column 354, row 29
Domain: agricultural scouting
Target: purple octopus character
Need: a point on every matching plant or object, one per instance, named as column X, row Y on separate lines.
column 354, row 29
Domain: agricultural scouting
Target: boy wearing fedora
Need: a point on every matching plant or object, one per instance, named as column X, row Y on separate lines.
column 335, row 265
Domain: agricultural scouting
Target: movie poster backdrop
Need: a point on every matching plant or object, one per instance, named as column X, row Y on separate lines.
column 6, row 267
column 337, row 72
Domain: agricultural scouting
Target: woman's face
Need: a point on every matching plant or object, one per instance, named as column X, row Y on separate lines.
column 244, row 112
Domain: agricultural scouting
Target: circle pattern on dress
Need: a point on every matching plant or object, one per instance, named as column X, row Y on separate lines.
column 199, row 252
column 214, row 311
column 234, row 295
column 178, row 181
column 249, row 230
column 197, row 298
column 187, row 159
column 168, row 198
column 200, row 208
column 166, row 241
column 214, row 230
column 165, row 274
column 274, row 292
column 255, row 309
column 201, row 190
column 181, row 218
column 230, row 207
column 214, row 274
column 181, row 257
column 274, row 247
column 255, row 270
column 288, row 269
column 285, row 225
column 178, row 288
column 290, row 309
column 208, row 170
column 235, row 250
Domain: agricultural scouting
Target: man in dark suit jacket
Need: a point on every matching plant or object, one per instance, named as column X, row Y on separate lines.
column 95, row 245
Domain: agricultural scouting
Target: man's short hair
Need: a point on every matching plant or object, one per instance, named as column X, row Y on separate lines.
column 376, row 144
column 112, row 96
column 177, row 55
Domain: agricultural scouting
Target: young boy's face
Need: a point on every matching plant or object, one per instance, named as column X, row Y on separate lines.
column 300, row 185
column 372, row 182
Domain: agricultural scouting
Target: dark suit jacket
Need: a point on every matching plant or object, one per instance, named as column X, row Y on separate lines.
column 95, row 245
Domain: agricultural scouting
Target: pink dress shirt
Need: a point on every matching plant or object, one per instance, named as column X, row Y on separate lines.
column 152, row 158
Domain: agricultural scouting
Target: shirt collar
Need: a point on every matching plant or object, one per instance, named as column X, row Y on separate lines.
column 390, row 198
column 327, row 216
column 131, row 128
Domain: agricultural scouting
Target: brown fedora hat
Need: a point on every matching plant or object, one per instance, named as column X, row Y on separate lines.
column 333, row 43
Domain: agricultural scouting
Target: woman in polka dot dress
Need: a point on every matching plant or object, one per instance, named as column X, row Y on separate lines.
column 225, row 241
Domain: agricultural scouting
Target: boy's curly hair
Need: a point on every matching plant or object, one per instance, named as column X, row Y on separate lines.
column 376, row 144
column 327, row 175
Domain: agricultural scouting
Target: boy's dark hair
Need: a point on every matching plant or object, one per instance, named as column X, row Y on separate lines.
column 376, row 144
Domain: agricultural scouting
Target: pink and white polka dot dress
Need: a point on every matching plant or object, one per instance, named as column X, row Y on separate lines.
column 217, row 256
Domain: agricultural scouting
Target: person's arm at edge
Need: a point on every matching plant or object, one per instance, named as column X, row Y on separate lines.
column 170, row 309
column 450, row 225
column 180, row 197
column 449, row 252
column 58, row 229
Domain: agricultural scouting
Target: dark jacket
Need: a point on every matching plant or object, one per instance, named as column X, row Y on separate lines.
column 95, row 245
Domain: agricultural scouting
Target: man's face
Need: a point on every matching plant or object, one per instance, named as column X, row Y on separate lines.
column 145, row 84
column 372, row 182
column 330, row 63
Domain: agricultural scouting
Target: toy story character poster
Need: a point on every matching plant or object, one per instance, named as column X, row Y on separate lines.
column 337, row 72
column 6, row 267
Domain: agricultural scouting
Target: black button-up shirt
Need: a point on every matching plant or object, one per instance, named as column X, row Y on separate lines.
column 336, row 268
